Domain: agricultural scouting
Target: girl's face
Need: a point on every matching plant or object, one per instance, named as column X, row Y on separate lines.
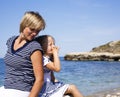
column 51, row 44
column 30, row 34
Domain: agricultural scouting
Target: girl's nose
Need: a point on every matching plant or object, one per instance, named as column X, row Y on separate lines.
column 53, row 45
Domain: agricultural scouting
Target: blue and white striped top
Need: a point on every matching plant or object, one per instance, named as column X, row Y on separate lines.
column 19, row 70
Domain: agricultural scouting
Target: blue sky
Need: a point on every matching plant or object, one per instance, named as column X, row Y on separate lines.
column 77, row 25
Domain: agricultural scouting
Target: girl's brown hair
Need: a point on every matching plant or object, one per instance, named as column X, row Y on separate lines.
column 43, row 40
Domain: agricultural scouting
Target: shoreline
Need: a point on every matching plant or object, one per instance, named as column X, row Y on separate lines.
column 108, row 93
column 115, row 92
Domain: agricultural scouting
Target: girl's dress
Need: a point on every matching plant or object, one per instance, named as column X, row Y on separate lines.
column 50, row 89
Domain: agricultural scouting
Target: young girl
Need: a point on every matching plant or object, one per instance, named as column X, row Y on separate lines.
column 51, row 61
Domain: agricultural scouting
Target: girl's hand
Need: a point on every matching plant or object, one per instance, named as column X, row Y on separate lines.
column 55, row 49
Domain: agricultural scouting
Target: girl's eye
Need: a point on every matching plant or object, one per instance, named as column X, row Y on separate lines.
column 49, row 44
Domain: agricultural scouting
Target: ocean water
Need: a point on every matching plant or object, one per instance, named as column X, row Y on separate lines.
column 89, row 76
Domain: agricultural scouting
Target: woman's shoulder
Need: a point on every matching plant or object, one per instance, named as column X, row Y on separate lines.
column 34, row 45
column 11, row 39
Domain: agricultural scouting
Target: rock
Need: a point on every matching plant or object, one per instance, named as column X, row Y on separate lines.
column 107, row 52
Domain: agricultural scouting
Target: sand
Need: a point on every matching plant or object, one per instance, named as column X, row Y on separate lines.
column 108, row 93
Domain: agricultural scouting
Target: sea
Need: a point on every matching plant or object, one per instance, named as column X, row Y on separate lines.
column 89, row 76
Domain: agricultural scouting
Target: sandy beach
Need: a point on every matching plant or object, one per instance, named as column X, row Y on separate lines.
column 109, row 93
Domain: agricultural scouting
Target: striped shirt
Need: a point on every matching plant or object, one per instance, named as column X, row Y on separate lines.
column 19, row 70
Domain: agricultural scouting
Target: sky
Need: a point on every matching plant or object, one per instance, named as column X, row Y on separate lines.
column 76, row 25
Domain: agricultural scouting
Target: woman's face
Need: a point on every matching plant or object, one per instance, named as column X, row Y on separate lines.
column 30, row 34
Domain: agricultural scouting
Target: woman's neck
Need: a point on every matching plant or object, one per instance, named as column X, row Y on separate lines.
column 19, row 42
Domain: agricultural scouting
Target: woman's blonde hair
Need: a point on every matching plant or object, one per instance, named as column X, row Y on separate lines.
column 33, row 20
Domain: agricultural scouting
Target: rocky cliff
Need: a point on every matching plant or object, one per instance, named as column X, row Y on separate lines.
column 106, row 52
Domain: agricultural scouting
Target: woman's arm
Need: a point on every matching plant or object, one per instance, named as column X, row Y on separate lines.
column 36, row 59
column 55, row 65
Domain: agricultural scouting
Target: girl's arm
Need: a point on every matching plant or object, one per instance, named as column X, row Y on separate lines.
column 36, row 59
column 55, row 65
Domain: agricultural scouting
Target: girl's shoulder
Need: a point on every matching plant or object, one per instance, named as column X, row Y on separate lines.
column 46, row 60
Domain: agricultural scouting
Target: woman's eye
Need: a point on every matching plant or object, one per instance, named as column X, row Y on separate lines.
column 34, row 30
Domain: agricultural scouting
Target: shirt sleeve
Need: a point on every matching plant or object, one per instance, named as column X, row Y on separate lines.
column 45, row 61
column 10, row 41
column 35, row 46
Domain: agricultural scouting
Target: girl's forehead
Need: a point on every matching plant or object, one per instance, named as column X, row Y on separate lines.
column 50, row 39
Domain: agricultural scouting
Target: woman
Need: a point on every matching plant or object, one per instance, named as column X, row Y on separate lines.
column 23, row 60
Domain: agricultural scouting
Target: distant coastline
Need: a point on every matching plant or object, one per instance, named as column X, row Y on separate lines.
column 92, row 56
column 106, row 52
